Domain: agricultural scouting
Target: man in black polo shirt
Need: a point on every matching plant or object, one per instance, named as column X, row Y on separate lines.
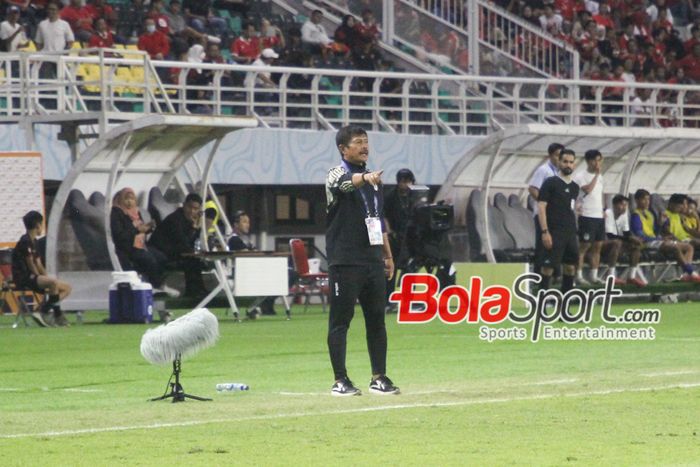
column 359, row 259
column 558, row 223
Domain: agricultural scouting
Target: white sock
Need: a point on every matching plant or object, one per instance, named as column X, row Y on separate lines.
column 612, row 271
column 594, row 274
column 579, row 274
column 640, row 274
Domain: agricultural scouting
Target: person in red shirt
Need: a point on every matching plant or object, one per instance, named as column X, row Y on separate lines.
column 367, row 29
column 154, row 42
column 603, row 18
column 691, row 64
column 156, row 14
column 99, row 9
column 79, row 18
column 246, row 48
column 271, row 37
column 102, row 38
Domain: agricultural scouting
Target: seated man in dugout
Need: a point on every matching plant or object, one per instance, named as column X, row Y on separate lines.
column 28, row 273
column 621, row 240
column 176, row 236
column 691, row 218
column 645, row 226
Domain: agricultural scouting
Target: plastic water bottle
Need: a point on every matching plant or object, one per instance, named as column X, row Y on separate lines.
column 198, row 245
column 232, row 387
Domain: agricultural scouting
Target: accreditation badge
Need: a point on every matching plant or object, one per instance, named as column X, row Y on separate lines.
column 374, row 231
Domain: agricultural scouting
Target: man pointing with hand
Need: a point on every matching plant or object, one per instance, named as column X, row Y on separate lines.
column 359, row 259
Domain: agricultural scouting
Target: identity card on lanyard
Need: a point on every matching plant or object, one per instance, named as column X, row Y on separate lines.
column 374, row 231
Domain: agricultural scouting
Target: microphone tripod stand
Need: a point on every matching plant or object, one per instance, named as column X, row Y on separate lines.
column 176, row 391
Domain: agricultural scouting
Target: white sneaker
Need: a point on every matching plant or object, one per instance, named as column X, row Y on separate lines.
column 169, row 291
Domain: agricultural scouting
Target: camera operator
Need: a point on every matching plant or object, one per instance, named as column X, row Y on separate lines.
column 397, row 213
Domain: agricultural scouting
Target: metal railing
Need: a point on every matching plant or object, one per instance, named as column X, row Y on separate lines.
column 34, row 84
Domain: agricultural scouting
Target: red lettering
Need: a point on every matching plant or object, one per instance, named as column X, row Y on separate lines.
column 475, row 292
column 408, row 295
column 462, row 304
column 422, row 289
column 502, row 302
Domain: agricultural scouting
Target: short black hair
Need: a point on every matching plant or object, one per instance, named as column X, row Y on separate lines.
column 677, row 198
column 32, row 219
column 591, row 154
column 554, row 147
column 317, row 11
column 617, row 199
column 567, row 152
column 238, row 214
column 405, row 174
column 193, row 198
column 346, row 133
column 641, row 193
column 210, row 213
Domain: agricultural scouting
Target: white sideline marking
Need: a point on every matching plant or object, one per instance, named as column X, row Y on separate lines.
column 417, row 405
column 551, row 381
column 670, row 373
column 82, row 390
column 10, row 389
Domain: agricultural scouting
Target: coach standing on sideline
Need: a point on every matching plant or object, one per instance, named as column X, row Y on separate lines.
column 359, row 259
column 543, row 172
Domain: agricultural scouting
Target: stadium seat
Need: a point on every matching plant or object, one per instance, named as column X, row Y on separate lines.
column 518, row 222
column 88, row 223
column 308, row 284
column 158, row 207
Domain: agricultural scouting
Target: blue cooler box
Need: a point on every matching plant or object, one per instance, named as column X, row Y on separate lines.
column 130, row 303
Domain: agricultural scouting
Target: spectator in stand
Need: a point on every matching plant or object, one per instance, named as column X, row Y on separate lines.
column 654, row 11
column 99, row 9
column 199, row 16
column 641, row 107
column 53, row 34
column 620, row 239
column 80, row 19
column 12, row 34
column 691, row 64
column 346, row 34
column 157, row 13
column 645, row 226
column 550, row 21
column 102, row 37
column 271, row 36
column 367, row 29
column 604, row 19
column 131, row 18
column 154, row 42
column 263, row 80
column 293, row 54
column 313, row 34
column 180, row 33
column 246, row 48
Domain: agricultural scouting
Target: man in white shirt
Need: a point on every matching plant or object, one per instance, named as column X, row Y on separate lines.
column 53, row 34
column 543, row 172
column 313, row 34
column 620, row 239
column 11, row 32
column 591, row 224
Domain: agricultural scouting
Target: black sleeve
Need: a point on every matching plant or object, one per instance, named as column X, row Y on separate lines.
column 235, row 244
column 123, row 230
column 546, row 190
column 181, row 234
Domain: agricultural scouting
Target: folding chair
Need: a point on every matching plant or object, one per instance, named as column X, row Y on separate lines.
column 308, row 283
column 21, row 303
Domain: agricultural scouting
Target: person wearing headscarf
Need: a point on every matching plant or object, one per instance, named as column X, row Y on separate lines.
column 129, row 237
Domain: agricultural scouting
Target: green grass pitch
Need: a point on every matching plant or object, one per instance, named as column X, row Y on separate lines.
column 78, row 397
